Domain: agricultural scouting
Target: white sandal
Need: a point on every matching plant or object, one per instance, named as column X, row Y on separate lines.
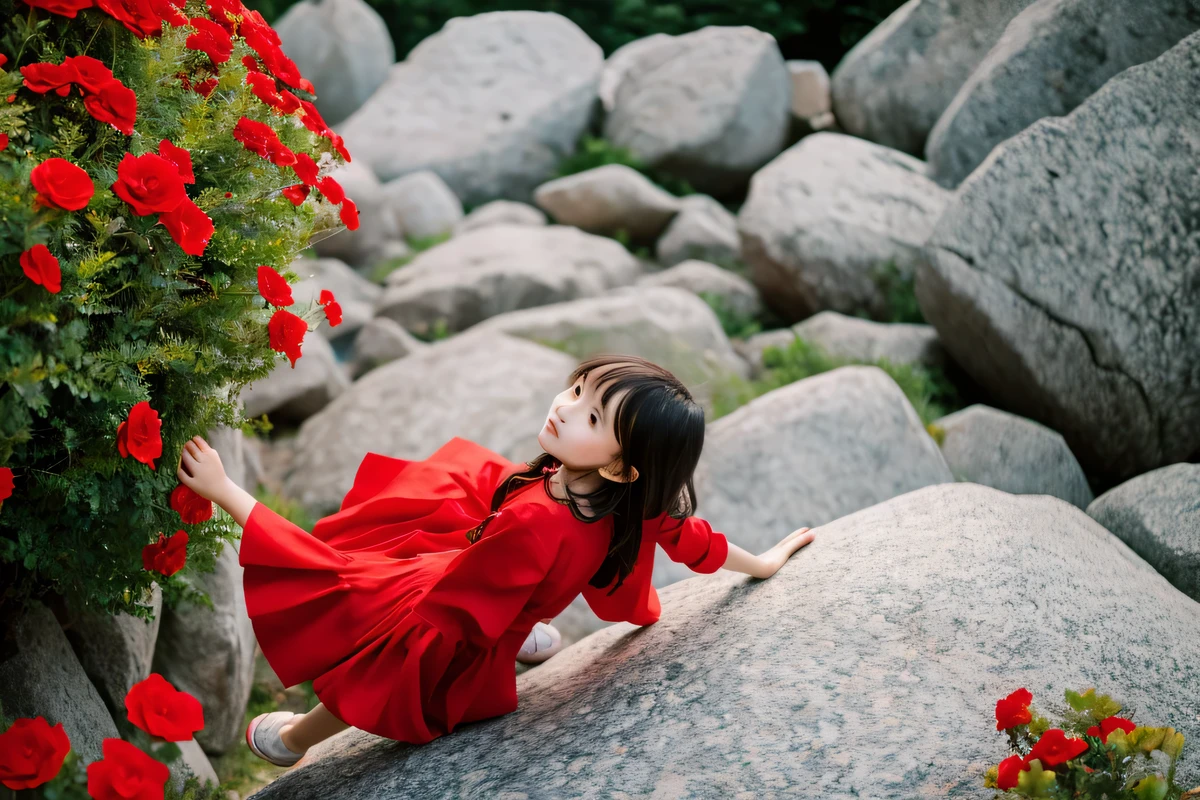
column 542, row 643
column 264, row 740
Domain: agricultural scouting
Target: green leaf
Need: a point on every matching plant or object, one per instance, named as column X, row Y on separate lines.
column 1151, row 787
column 1036, row 782
column 1099, row 706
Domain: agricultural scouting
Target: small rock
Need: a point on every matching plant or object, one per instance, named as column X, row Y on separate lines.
column 810, row 89
column 500, row 212
column 608, row 199
column 703, row 229
column 382, row 341
column 699, row 277
column 423, row 204
column 296, row 393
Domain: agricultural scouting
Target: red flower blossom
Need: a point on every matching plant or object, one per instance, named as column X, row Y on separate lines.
column 296, row 193
column 31, row 752
column 1008, row 772
column 66, row 8
column 169, row 11
column 182, row 159
column 167, row 555
column 46, row 77
column 263, row 87
column 338, row 144
column 126, row 773
column 6, row 483
column 250, row 63
column 61, row 184
column 312, row 118
column 149, row 183
column 161, row 710
column 1108, row 725
column 349, row 214
column 222, row 12
column 115, row 104
column 306, row 169
column 210, row 39
column 332, row 190
column 3, row 59
column 333, row 310
column 141, row 434
column 192, row 508
column 1013, row 710
column 90, row 73
column 138, row 16
column 1055, row 748
column 205, row 87
column 287, row 333
column 3, row 141
column 190, row 227
column 288, row 102
column 41, row 267
column 260, row 138
column 274, row 287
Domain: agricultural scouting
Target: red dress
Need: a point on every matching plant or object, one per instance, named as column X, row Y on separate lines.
column 407, row 629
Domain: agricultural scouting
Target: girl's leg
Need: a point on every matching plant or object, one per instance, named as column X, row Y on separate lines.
column 310, row 728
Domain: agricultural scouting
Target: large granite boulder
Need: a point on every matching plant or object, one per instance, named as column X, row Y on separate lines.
column 620, row 62
column 609, row 199
column 894, row 84
column 499, row 268
column 1011, row 453
column 1065, row 276
column 1051, row 57
column 826, row 216
column 1158, row 515
column 731, row 290
column 667, row 325
column 491, row 103
column 500, row 212
column 343, row 47
column 295, row 393
column 868, row 666
column 703, row 229
column 492, row 389
column 710, row 106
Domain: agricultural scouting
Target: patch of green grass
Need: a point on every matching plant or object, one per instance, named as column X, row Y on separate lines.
column 285, row 507
column 436, row 332
column 898, row 292
column 737, row 324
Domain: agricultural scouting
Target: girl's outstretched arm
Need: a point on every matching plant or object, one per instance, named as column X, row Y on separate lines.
column 200, row 469
column 767, row 564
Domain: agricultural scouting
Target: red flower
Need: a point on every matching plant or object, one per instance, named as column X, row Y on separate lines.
column 339, row 144
column 1055, row 748
column 167, row 555
column 332, row 190
column 190, row 227
column 91, row 73
column 169, row 11
column 126, row 773
column 296, row 193
column 312, row 118
column 182, row 159
column 349, row 214
column 3, row 59
column 1108, row 725
column 41, row 267
column 1009, row 770
column 61, row 184
column 333, row 310
column 250, row 63
column 161, row 710
column 115, row 104
column 287, row 333
column 3, row 141
column 274, row 287
column 1013, row 710
column 306, row 169
column 46, row 77
column 66, row 8
column 6, row 483
column 288, row 102
column 205, row 87
column 141, row 434
column 263, row 87
column 210, row 39
column 149, row 183
column 31, row 752
column 260, row 138
column 192, row 508
column 222, row 10
column 136, row 15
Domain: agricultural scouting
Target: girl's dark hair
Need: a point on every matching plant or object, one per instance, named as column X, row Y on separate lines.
column 660, row 430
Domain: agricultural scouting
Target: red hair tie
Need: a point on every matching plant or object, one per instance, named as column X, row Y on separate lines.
column 549, row 470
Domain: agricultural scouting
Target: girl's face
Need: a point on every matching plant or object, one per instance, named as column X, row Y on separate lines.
column 580, row 432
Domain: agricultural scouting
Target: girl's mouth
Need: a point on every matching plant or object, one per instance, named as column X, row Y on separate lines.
column 552, row 427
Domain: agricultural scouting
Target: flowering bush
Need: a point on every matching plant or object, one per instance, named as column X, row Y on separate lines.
column 1094, row 755
column 161, row 166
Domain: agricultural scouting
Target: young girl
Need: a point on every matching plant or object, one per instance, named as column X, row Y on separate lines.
column 407, row 607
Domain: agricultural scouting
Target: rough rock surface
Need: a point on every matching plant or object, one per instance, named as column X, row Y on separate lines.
column 700, row 277
column 369, row 243
column 869, row 666
column 1065, row 276
column 608, row 199
column 703, row 229
column 500, row 212
column 618, row 64
column 423, row 204
column 382, row 340
column 296, row 393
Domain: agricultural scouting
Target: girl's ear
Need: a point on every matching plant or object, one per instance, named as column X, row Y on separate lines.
column 614, row 472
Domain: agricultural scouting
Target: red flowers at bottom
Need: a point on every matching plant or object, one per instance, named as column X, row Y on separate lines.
column 158, row 708
column 166, row 556
column 192, row 508
column 1009, row 772
column 41, row 267
column 1055, row 748
column 31, row 753
column 126, row 773
column 1013, row 710
column 141, row 434
column 286, row 332
column 1108, row 725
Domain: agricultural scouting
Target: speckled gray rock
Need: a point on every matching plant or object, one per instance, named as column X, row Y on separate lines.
column 608, row 199
column 381, row 341
column 491, row 103
column 620, row 61
column 895, row 83
column 296, row 393
column 343, row 47
column 711, row 106
column 700, row 277
column 1013, row 454
column 354, row 293
column 1051, row 57
column 669, row 326
column 423, row 204
column 1158, row 515
column 492, row 389
column 41, row 677
column 1065, row 276
column 869, row 666
column 500, row 212
column 502, row 268
column 703, row 229
column 368, row 244
column 824, row 217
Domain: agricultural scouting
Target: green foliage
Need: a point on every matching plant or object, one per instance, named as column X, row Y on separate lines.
column 899, row 296
column 817, row 29
column 736, row 323
column 436, row 332
column 592, row 151
column 137, row 319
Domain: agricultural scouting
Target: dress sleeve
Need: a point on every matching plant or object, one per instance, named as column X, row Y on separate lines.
column 487, row 585
column 693, row 542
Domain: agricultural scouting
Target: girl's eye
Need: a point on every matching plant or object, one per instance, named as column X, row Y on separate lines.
column 578, row 390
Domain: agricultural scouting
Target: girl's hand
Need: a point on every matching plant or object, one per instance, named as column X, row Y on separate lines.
column 200, row 469
column 778, row 555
